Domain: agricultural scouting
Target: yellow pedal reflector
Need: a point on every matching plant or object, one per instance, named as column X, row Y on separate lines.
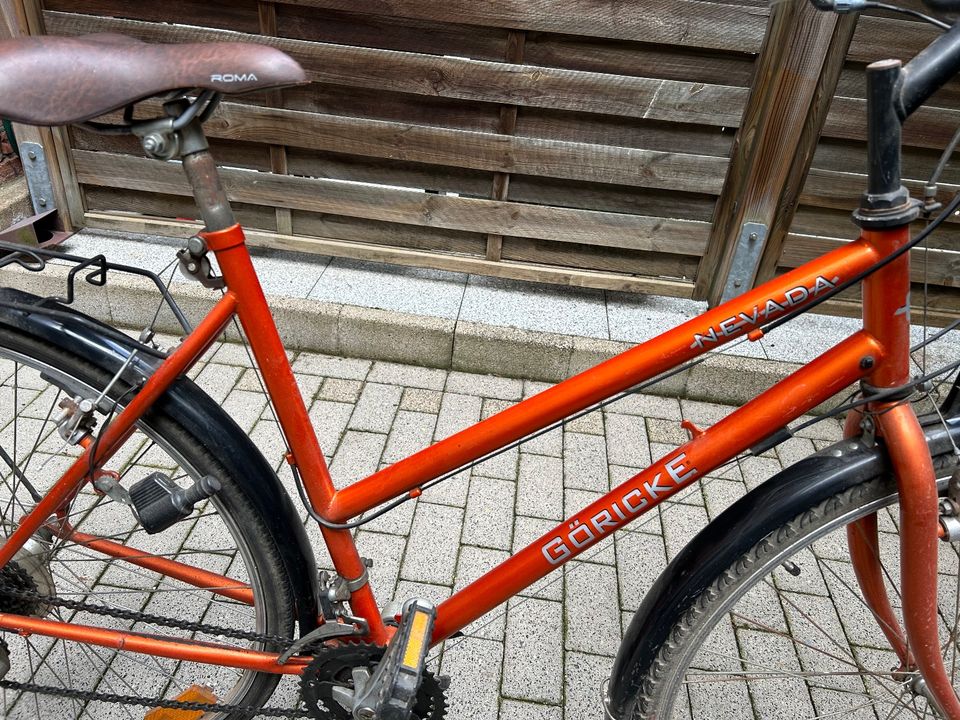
column 194, row 693
column 418, row 633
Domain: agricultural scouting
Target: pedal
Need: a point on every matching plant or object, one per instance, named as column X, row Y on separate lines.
column 159, row 502
column 390, row 693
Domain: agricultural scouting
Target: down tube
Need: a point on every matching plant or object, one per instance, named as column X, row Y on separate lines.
column 742, row 429
column 664, row 352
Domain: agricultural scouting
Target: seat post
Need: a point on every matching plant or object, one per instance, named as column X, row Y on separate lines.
column 204, row 179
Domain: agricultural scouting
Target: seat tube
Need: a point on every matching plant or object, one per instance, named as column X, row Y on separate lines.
column 225, row 238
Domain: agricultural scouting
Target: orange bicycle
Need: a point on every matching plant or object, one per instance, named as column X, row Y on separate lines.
column 150, row 556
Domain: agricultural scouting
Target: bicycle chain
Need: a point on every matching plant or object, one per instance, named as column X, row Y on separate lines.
column 90, row 696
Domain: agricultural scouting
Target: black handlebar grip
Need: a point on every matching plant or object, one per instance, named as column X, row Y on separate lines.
column 825, row 5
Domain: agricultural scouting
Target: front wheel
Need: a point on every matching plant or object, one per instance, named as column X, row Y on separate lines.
column 225, row 535
column 783, row 631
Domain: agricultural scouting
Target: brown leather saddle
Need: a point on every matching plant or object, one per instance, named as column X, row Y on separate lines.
column 62, row 80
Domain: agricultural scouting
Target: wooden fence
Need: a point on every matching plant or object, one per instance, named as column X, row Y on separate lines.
column 584, row 142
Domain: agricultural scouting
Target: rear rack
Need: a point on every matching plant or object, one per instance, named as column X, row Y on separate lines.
column 35, row 259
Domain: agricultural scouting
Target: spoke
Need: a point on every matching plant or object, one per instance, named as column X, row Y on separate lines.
column 806, row 616
column 40, row 438
column 161, row 584
column 66, row 665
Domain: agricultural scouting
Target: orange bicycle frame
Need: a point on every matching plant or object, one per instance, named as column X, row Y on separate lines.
column 866, row 353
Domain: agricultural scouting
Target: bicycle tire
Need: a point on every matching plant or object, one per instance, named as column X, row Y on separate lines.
column 241, row 546
column 719, row 650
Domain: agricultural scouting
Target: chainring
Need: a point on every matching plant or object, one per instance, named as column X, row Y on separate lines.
column 331, row 667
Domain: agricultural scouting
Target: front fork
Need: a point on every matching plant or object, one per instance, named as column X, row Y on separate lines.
column 886, row 304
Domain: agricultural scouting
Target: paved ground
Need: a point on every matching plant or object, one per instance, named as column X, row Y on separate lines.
column 546, row 655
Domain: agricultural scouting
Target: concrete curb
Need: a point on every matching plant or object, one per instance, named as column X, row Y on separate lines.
column 372, row 334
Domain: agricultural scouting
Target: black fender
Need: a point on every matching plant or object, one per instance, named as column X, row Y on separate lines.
column 107, row 348
column 716, row 547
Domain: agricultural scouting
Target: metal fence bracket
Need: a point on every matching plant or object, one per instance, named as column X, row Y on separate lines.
column 38, row 176
column 746, row 259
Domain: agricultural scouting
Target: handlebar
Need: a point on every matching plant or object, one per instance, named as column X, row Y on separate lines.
column 894, row 92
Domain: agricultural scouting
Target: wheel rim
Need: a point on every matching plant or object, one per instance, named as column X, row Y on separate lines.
column 207, row 539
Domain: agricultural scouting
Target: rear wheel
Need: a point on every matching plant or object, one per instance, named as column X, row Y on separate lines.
column 224, row 535
column 784, row 630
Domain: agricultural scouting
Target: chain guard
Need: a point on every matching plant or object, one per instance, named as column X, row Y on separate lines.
column 331, row 667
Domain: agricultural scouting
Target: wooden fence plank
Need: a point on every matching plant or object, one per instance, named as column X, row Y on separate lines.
column 524, row 85
column 666, row 22
column 495, row 82
column 480, row 151
column 406, row 206
column 943, row 266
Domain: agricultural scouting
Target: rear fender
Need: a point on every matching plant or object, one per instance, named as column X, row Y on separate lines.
column 109, row 349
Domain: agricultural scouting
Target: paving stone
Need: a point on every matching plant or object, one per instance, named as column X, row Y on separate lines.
column 648, row 406
column 540, row 486
column 584, row 675
column 476, row 663
column 585, row 462
column 492, row 406
column 357, row 457
column 433, row 593
column 490, row 511
column 432, row 548
column 527, row 530
column 330, row 366
column 218, row 380
column 533, row 387
column 456, row 413
column 591, row 423
column 396, row 521
column 666, row 432
column 502, row 465
column 794, row 449
column 244, row 407
column 421, row 400
column 826, row 429
column 452, row 491
column 409, row 376
column 549, row 442
column 411, row 432
column 592, row 608
column 376, row 408
column 340, row 390
column 680, row 524
column 704, row 414
column 471, row 565
column 519, row 710
column 627, row 440
column 329, row 420
column 721, row 494
column 533, row 651
column 640, row 560
column 758, row 469
column 488, row 386
column 386, row 551
column 249, row 378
